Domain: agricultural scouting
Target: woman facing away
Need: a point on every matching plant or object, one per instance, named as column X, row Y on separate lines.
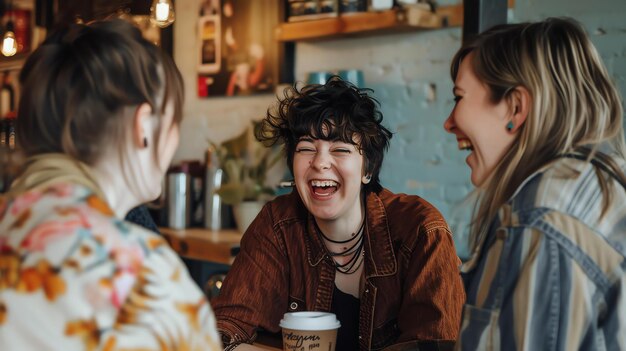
column 98, row 120
column 384, row 263
column 543, row 123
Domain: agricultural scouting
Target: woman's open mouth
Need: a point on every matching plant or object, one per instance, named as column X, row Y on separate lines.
column 465, row 144
column 324, row 188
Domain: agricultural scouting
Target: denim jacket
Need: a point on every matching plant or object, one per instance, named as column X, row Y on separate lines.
column 412, row 289
column 550, row 274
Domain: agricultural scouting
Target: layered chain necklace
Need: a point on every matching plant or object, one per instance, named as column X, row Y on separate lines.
column 354, row 247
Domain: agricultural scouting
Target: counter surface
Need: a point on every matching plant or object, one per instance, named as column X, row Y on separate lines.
column 204, row 244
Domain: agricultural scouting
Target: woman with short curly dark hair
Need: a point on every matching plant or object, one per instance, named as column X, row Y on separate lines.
column 384, row 263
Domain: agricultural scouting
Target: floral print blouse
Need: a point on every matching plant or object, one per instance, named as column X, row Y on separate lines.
column 74, row 277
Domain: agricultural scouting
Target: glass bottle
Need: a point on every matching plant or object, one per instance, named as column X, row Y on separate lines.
column 212, row 201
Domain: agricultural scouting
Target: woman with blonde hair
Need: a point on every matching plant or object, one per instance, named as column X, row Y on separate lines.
column 543, row 123
column 98, row 120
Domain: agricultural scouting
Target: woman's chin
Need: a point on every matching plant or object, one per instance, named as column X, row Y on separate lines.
column 477, row 181
column 474, row 182
column 153, row 196
column 480, row 180
column 323, row 215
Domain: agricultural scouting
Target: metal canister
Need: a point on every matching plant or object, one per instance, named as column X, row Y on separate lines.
column 178, row 200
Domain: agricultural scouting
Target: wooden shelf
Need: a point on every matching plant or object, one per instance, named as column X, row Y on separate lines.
column 412, row 18
column 391, row 21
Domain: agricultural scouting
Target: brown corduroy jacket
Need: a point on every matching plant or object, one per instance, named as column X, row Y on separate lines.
column 412, row 290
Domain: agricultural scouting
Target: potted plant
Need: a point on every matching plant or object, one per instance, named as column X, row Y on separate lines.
column 246, row 163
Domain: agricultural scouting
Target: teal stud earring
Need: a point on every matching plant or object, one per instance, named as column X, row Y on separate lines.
column 509, row 126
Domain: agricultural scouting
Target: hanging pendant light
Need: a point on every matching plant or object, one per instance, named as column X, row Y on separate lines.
column 9, row 44
column 162, row 13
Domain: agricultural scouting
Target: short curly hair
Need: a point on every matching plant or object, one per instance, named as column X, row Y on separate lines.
column 336, row 110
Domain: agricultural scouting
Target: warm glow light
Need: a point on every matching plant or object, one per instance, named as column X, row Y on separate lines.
column 162, row 13
column 9, row 45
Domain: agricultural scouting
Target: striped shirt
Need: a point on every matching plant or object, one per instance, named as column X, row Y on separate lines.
column 550, row 274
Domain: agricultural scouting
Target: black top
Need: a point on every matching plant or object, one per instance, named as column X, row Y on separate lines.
column 140, row 215
column 346, row 307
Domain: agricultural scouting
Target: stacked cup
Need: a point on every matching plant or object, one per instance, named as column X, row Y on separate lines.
column 312, row 331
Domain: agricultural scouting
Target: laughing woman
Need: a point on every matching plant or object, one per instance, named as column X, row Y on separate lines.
column 384, row 263
column 543, row 121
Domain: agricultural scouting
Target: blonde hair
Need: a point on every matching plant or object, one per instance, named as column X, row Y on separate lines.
column 575, row 106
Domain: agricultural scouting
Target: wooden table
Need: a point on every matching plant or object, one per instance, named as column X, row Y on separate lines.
column 214, row 246
column 204, row 244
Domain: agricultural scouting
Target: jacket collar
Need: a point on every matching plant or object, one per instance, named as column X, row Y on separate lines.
column 380, row 258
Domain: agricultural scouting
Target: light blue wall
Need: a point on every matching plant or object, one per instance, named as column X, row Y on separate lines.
column 402, row 68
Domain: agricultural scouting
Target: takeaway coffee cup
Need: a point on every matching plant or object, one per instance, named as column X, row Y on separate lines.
column 310, row 331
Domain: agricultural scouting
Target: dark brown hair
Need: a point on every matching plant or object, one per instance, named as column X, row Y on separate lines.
column 82, row 85
column 336, row 110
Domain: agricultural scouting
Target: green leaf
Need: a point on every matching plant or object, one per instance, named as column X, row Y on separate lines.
column 234, row 169
column 246, row 164
column 231, row 194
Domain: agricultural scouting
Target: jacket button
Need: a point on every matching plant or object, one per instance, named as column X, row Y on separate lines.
column 360, row 337
column 293, row 305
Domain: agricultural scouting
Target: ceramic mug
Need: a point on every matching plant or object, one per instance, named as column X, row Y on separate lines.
column 354, row 76
column 318, row 77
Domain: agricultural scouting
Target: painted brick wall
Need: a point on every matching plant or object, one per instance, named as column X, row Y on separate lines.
column 410, row 75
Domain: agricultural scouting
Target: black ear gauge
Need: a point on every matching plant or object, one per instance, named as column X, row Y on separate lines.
column 145, row 142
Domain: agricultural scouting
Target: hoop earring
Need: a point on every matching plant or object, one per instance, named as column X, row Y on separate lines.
column 509, row 126
column 366, row 179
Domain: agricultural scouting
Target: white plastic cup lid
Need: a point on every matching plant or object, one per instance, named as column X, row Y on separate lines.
column 310, row 321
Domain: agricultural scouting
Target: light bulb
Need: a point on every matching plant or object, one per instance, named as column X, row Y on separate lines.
column 162, row 13
column 9, row 44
